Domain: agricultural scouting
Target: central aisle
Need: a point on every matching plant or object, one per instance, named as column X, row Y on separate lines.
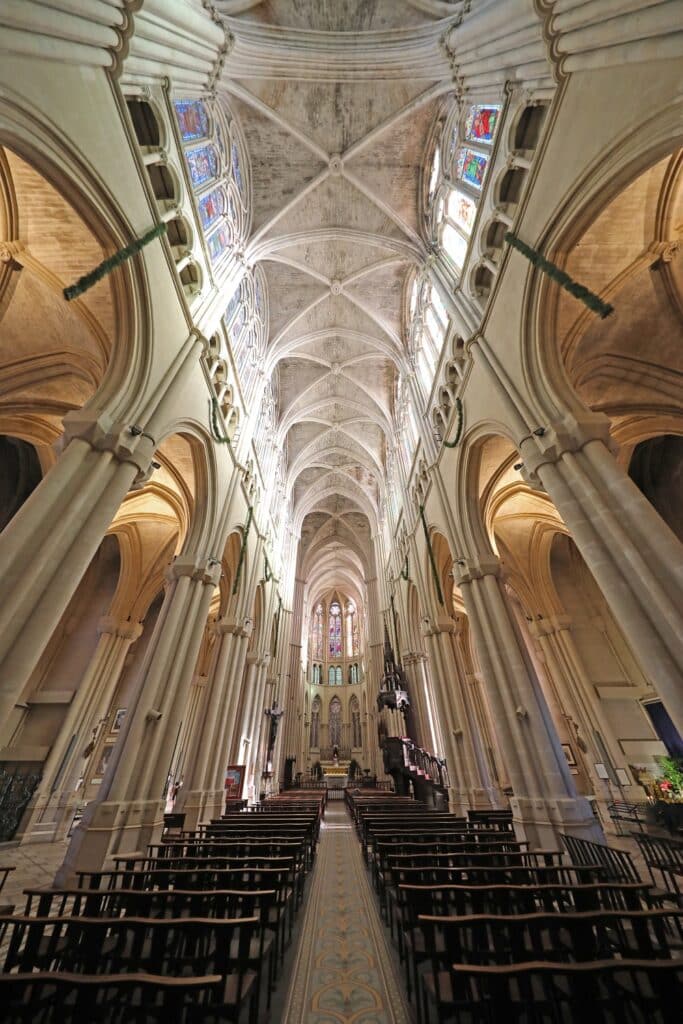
column 344, row 969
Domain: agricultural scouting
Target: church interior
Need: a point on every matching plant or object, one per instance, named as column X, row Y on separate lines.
column 341, row 511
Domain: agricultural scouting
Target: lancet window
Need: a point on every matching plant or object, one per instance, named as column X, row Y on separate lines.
column 460, row 164
column 317, row 633
column 245, row 320
column 335, row 630
column 352, row 634
column 213, row 155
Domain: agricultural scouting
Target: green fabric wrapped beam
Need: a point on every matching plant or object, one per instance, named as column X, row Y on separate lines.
column 458, row 430
column 243, row 548
column 432, row 562
column 111, row 263
column 579, row 291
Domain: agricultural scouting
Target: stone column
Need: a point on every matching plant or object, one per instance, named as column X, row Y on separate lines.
column 128, row 812
column 635, row 558
column 56, row 798
column 565, row 664
column 414, row 663
column 255, row 727
column 471, row 785
column 203, row 794
column 545, row 801
column 52, row 539
column 241, row 740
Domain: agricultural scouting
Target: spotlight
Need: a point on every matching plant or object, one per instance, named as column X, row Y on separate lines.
column 518, row 465
column 539, row 432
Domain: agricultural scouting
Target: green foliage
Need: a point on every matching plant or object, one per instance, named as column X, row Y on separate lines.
column 317, row 771
column 354, row 769
column 672, row 771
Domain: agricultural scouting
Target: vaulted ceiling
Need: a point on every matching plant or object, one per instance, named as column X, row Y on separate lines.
column 336, row 100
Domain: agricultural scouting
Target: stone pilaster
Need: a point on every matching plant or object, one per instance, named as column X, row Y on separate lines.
column 128, row 812
column 544, row 800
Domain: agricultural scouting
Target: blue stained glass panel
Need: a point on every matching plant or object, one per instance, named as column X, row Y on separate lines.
column 193, row 119
column 218, row 242
column 211, row 206
column 471, row 167
column 236, row 168
column 233, row 304
column 203, row 164
column 481, row 123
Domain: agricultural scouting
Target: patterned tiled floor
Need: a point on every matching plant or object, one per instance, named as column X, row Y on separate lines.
column 345, row 971
column 35, row 865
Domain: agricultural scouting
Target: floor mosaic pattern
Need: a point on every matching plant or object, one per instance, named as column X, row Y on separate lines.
column 345, row 971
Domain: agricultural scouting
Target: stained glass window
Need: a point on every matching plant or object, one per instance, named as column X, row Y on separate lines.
column 481, row 123
column 335, row 631
column 461, row 210
column 203, row 164
column 436, row 167
column 471, row 167
column 237, row 168
column 193, row 119
column 338, row 676
column 318, row 632
column 211, row 207
column 466, row 148
column 454, row 244
column 218, row 242
column 233, row 304
column 330, row 675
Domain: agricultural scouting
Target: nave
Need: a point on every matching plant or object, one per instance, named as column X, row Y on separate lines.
column 465, row 924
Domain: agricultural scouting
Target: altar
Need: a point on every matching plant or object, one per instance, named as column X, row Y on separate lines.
column 336, row 778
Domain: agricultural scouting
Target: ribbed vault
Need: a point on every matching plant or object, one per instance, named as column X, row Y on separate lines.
column 336, row 161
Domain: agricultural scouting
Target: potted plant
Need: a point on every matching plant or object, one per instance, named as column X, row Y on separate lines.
column 671, row 782
column 354, row 769
column 317, row 771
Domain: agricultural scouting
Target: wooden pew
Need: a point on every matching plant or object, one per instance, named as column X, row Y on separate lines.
column 117, row 945
column 602, row 992
column 66, row 998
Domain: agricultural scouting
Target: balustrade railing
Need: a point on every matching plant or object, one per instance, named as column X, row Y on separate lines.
column 433, row 767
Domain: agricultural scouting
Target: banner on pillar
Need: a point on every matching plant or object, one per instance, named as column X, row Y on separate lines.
column 234, row 781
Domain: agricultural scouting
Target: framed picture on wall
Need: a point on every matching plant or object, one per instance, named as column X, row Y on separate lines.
column 569, row 754
column 118, row 720
column 103, row 762
column 234, row 780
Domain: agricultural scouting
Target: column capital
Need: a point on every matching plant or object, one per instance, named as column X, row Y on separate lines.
column 127, row 442
column 467, row 569
column 119, row 627
column 238, row 627
column 413, row 657
column 202, row 570
column 566, row 435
